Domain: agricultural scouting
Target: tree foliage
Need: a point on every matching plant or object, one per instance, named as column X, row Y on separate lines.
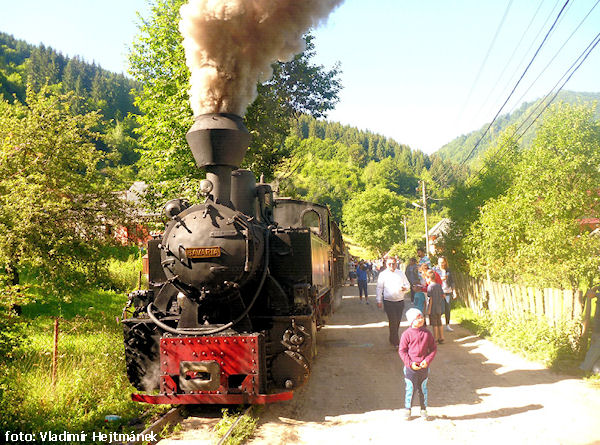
column 158, row 62
column 373, row 218
column 55, row 203
column 391, row 174
column 533, row 231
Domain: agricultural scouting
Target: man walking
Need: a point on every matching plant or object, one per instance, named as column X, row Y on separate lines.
column 392, row 285
column 362, row 278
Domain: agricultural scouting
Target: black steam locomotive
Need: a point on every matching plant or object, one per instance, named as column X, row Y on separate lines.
column 238, row 285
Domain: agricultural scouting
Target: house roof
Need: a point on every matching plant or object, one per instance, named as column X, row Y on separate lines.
column 440, row 228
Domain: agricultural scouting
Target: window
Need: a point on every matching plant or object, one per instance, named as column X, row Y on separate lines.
column 312, row 220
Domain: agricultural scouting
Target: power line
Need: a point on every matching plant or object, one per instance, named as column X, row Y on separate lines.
column 557, row 53
column 516, row 85
column 474, row 84
column 584, row 54
column 517, row 67
column 579, row 61
column 515, row 51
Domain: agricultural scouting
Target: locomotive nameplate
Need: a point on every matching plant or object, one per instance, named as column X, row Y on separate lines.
column 203, row 252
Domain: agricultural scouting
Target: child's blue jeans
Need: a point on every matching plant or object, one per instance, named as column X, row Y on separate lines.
column 415, row 379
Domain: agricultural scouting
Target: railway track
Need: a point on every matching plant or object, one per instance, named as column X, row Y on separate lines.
column 197, row 423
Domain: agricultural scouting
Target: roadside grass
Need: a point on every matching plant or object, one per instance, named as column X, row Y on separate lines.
column 91, row 380
column 242, row 431
column 556, row 347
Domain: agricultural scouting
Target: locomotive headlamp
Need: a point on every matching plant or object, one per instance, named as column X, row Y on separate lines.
column 205, row 187
column 175, row 206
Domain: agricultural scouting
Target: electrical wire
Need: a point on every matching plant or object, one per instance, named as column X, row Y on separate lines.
column 474, row 84
column 517, row 68
column 443, row 176
column 464, row 160
column 572, row 69
column 506, row 65
column 516, row 85
column 555, row 55
column 541, row 101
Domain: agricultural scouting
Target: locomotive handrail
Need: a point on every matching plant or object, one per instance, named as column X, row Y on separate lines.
column 227, row 325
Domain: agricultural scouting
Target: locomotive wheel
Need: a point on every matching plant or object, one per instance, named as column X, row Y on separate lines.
column 290, row 370
column 142, row 355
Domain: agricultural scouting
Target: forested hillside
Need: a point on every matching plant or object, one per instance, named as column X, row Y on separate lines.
column 459, row 149
column 376, row 147
column 367, row 180
column 365, row 146
column 22, row 63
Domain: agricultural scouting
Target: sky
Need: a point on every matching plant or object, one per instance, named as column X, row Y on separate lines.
column 420, row 72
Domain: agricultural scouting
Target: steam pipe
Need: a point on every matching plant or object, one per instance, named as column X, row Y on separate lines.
column 220, row 176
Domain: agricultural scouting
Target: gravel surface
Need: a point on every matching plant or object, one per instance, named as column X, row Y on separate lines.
column 478, row 393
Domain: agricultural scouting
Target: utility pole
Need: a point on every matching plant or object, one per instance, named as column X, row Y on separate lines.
column 424, row 207
column 425, row 216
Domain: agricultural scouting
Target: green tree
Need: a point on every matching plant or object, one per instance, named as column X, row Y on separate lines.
column 55, row 204
column 157, row 61
column 373, row 218
column 533, row 233
column 391, row 174
column 329, row 182
column 466, row 199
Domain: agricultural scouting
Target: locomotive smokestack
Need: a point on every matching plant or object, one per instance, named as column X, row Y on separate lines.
column 219, row 142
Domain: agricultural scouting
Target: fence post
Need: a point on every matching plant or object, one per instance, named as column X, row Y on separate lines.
column 55, row 353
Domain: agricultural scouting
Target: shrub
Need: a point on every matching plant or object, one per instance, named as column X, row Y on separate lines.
column 527, row 334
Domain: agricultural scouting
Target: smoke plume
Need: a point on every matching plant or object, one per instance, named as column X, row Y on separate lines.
column 231, row 44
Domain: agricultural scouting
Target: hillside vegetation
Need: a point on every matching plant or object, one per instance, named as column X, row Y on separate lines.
column 93, row 88
column 459, row 149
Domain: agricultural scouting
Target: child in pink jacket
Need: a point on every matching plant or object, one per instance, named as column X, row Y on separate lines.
column 417, row 350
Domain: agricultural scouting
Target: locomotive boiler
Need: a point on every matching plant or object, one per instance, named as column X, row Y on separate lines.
column 238, row 285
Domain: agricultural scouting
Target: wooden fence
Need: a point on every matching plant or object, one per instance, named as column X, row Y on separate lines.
column 555, row 305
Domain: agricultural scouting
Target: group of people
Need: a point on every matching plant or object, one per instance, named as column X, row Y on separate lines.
column 428, row 291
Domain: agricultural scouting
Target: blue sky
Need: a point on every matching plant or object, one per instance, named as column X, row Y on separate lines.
column 412, row 70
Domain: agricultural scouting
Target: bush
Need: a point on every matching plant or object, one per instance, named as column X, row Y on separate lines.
column 12, row 333
column 527, row 334
column 125, row 275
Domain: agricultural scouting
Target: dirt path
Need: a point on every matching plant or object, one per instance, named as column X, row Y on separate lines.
column 478, row 393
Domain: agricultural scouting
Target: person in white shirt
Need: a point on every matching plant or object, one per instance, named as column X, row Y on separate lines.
column 392, row 286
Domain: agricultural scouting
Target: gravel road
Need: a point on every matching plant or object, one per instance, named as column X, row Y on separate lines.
column 478, row 393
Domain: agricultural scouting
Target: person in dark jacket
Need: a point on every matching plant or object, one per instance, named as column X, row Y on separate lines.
column 412, row 273
column 362, row 278
column 417, row 350
column 435, row 306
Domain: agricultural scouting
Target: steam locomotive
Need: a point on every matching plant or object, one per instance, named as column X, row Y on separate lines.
column 238, row 285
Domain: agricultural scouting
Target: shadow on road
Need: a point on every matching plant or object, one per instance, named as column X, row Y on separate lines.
column 356, row 371
column 504, row 412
